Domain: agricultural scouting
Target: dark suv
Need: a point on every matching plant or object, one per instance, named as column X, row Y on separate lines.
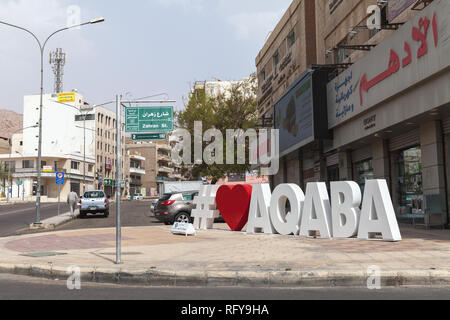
column 175, row 207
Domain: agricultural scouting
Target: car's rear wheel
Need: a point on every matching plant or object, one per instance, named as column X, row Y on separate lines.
column 183, row 217
column 83, row 215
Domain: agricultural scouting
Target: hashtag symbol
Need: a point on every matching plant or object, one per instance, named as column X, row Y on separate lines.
column 206, row 210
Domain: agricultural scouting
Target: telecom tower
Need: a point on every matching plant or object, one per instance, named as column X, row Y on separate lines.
column 58, row 61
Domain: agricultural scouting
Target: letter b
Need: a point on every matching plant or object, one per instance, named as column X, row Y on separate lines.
column 345, row 202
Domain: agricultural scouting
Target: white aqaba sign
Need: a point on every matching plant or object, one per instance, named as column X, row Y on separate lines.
column 314, row 213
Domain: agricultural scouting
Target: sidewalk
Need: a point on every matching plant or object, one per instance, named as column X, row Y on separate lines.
column 153, row 256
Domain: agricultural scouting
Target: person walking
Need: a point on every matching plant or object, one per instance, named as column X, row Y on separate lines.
column 72, row 200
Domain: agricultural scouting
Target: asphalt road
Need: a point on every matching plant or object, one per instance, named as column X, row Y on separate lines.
column 15, row 219
column 20, row 288
column 133, row 214
column 19, row 216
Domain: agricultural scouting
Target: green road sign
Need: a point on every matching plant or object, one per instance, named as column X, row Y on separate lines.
column 149, row 136
column 149, row 119
column 19, row 182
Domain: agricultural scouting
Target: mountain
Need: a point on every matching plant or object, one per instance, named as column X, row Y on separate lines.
column 10, row 123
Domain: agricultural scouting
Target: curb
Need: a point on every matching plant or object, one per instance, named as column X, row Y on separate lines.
column 52, row 223
column 291, row 279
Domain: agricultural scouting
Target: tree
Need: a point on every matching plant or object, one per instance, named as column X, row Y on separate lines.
column 234, row 108
column 3, row 178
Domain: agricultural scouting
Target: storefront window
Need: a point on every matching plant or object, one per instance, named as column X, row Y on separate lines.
column 364, row 172
column 409, row 183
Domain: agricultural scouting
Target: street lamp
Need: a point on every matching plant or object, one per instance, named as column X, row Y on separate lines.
column 42, row 48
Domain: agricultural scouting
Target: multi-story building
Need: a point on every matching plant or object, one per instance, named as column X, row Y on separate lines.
column 292, row 94
column 77, row 139
column 388, row 110
column 63, row 148
column 387, row 91
column 150, row 166
column 287, row 53
column 105, row 151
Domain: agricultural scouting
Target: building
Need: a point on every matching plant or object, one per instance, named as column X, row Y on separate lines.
column 150, row 166
column 287, row 53
column 77, row 139
column 388, row 111
column 62, row 149
column 292, row 94
column 105, row 131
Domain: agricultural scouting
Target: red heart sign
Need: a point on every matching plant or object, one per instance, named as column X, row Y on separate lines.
column 233, row 203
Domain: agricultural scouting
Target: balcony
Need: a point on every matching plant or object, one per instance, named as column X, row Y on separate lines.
column 163, row 157
column 137, row 171
column 165, row 169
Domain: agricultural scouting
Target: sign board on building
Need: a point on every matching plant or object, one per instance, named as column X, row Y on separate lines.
column 149, row 136
column 396, row 7
column 66, row 97
column 294, row 112
column 47, row 169
column 417, row 51
column 149, row 119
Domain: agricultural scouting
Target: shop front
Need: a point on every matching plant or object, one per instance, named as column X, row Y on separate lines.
column 390, row 117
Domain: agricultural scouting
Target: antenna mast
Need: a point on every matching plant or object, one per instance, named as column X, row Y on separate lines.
column 58, row 61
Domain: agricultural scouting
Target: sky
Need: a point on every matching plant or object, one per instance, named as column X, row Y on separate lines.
column 145, row 47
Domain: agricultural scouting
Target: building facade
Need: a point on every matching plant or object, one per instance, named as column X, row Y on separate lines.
column 288, row 52
column 105, row 144
column 386, row 111
column 63, row 149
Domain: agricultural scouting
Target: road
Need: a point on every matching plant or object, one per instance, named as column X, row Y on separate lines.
column 19, row 287
column 15, row 219
column 133, row 214
column 18, row 216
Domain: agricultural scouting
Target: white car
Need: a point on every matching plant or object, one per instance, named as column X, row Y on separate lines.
column 138, row 196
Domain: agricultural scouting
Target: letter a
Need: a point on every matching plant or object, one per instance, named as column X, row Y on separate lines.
column 259, row 218
column 378, row 215
column 316, row 212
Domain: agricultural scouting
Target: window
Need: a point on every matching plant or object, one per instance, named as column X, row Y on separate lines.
column 75, row 165
column 276, row 60
column 263, row 75
column 28, row 164
column 291, row 39
column 91, row 168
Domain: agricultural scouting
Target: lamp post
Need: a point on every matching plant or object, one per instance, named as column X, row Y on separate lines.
column 42, row 48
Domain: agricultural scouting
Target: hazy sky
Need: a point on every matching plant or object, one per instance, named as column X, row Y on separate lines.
column 144, row 47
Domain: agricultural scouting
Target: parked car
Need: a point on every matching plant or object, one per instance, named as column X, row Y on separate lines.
column 138, row 196
column 94, row 202
column 175, row 207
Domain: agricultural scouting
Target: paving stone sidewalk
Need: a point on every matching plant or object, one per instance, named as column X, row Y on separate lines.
column 153, row 256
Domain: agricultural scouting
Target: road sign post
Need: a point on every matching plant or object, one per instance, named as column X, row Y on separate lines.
column 59, row 182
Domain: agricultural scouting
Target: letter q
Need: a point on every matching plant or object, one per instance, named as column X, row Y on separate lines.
column 287, row 223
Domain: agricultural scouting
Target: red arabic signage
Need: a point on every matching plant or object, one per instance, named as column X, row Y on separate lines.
column 415, row 52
